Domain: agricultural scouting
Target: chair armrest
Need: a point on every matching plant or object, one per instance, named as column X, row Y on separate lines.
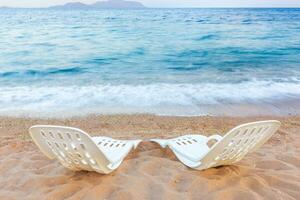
column 215, row 137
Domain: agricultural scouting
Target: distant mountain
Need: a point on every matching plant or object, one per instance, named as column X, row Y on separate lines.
column 73, row 5
column 109, row 4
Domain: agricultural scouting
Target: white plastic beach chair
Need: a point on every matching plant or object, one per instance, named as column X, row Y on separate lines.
column 194, row 152
column 76, row 150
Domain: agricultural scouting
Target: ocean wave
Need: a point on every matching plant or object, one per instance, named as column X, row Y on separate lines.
column 153, row 98
column 32, row 72
column 207, row 37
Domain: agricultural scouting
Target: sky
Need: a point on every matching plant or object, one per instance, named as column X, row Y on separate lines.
column 164, row 3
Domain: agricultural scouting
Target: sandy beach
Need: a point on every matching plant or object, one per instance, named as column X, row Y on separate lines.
column 140, row 69
column 149, row 172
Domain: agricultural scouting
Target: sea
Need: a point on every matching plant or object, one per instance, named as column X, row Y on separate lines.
column 157, row 61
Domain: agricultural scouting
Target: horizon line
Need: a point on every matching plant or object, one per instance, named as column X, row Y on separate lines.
column 237, row 7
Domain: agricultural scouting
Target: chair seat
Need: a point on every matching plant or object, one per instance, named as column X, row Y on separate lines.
column 192, row 147
column 76, row 150
column 114, row 150
column 189, row 149
column 194, row 152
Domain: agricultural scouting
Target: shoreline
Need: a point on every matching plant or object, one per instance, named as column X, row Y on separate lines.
column 248, row 99
column 280, row 108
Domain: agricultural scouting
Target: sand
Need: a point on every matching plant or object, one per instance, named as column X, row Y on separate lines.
column 149, row 172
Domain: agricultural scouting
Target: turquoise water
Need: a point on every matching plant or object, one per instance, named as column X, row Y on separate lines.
column 162, row 61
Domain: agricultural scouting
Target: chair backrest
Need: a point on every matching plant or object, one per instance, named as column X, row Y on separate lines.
column 238, row 142
column 73, row 147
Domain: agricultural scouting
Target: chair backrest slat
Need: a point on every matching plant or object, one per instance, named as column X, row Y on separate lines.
column 238, row 142
column 73, row 147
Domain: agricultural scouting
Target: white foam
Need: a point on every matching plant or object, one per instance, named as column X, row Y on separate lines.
column 170, row 99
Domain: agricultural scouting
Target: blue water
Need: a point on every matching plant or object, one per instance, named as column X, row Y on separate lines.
column 162, row 61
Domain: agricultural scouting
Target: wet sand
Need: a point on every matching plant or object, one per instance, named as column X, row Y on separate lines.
column 149, row 172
